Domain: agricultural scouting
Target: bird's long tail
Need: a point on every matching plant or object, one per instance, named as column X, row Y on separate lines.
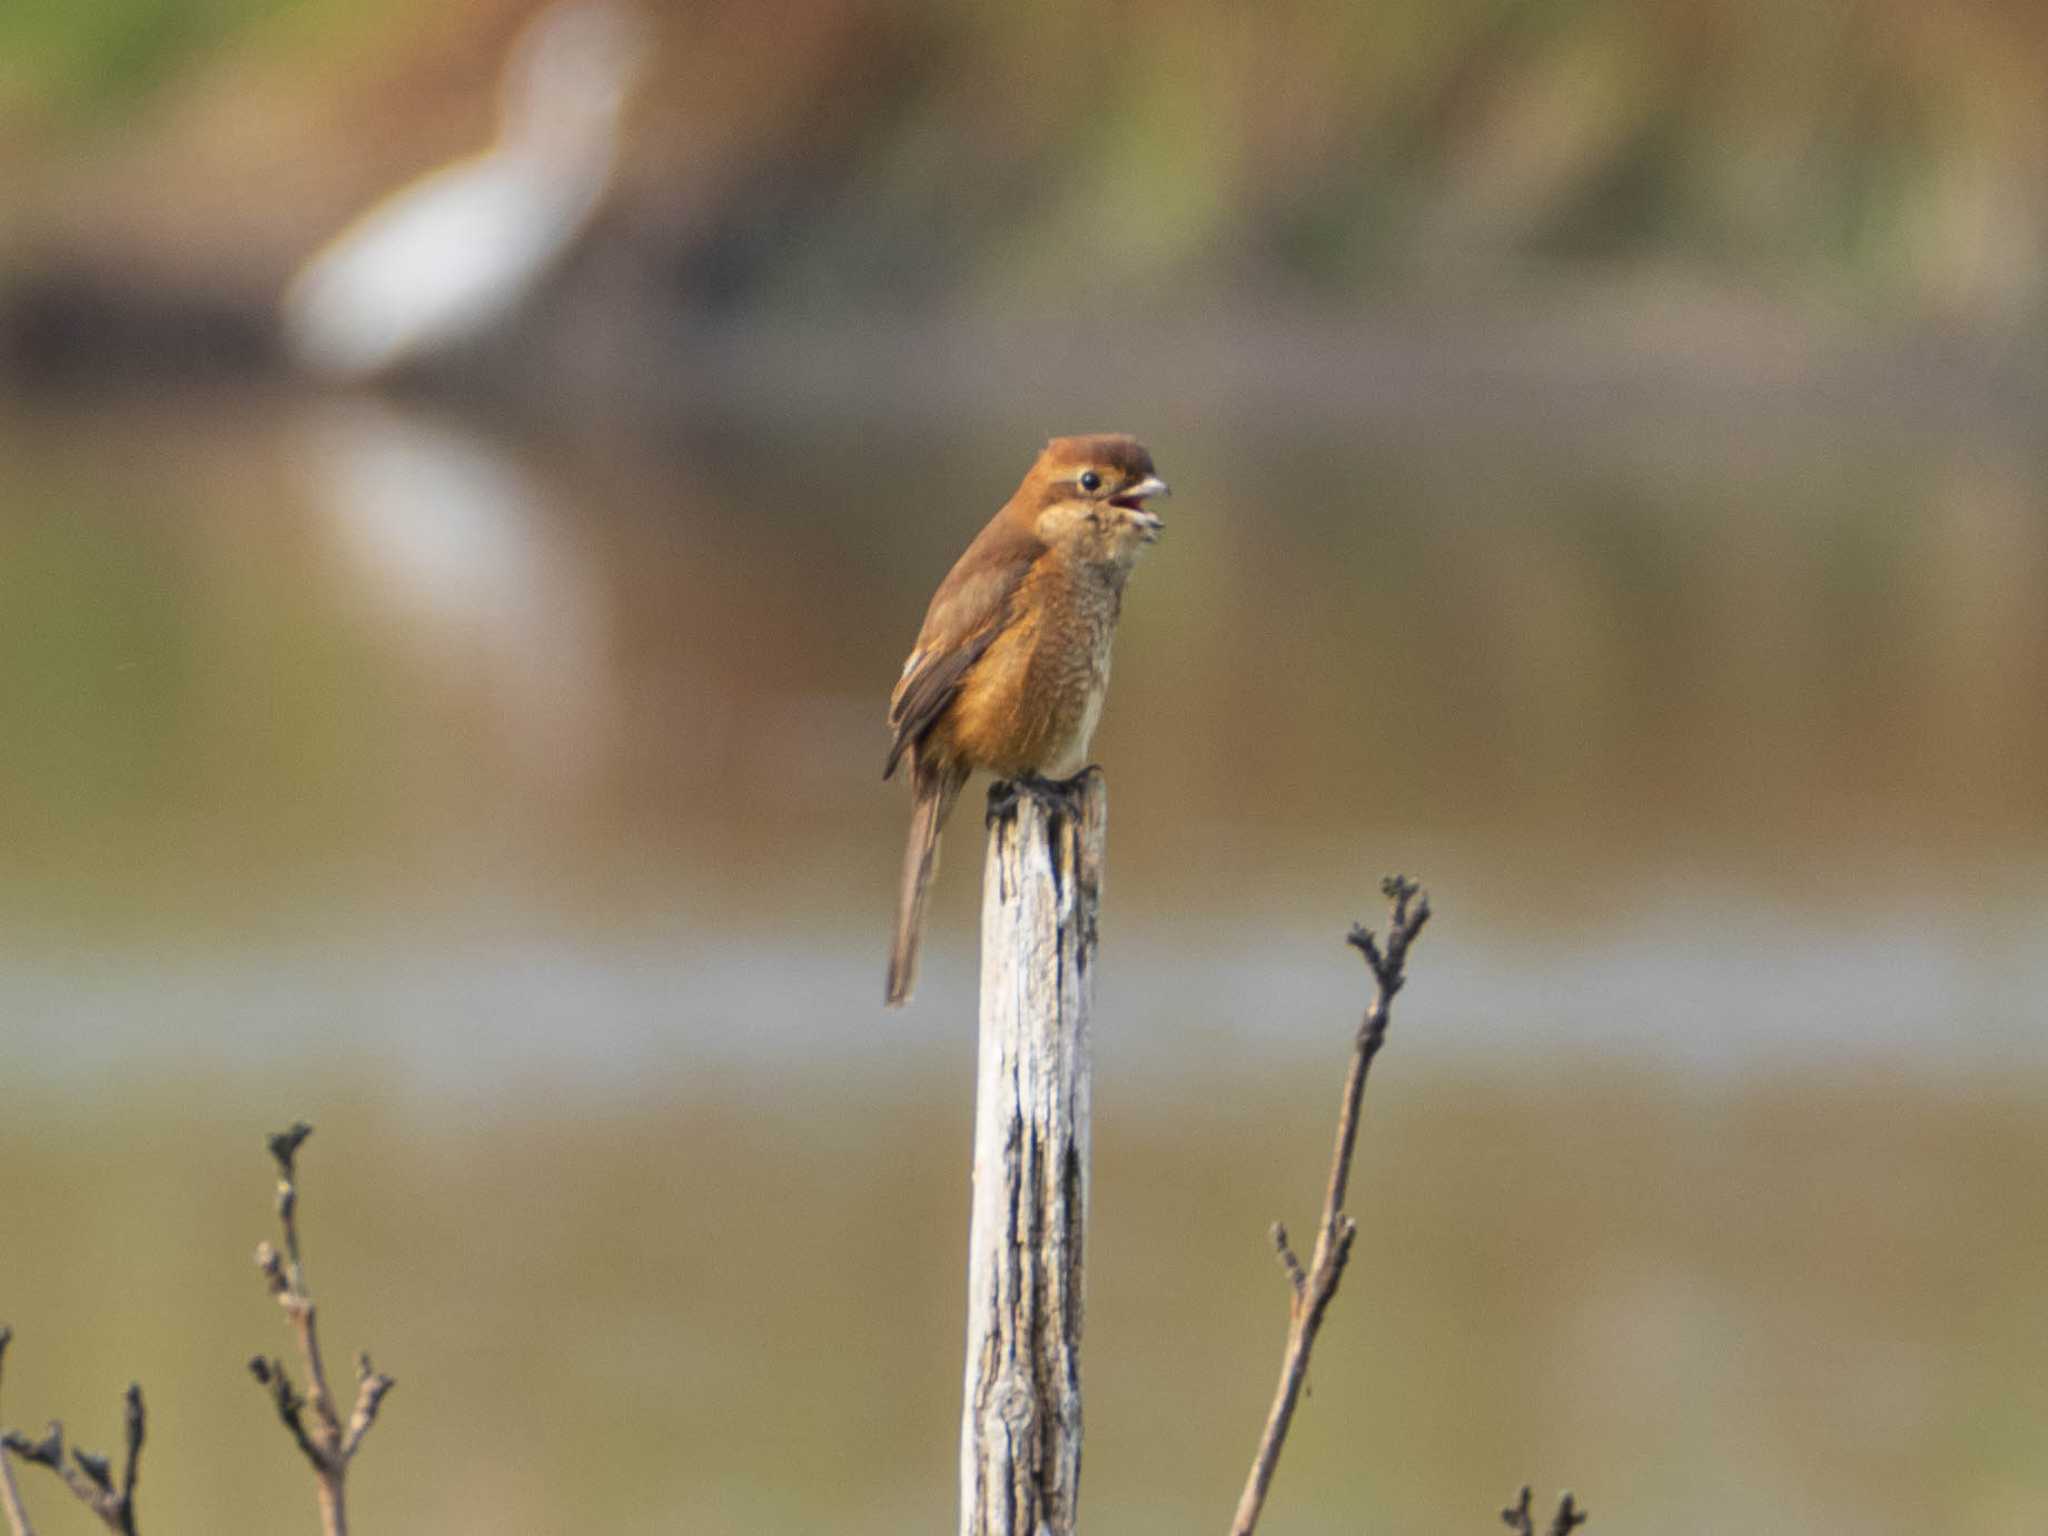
column 937, row 789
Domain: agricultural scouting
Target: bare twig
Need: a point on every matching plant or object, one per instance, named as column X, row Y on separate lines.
column 1517, row 1517
column 89, row 1477
column 1312, row 1288
column 10, row 1496
column 325, row 1442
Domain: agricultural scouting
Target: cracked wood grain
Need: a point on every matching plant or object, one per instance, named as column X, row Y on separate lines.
column 1020, row 1431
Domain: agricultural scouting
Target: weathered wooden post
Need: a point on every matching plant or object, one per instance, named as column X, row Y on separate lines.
column 1020, row 1427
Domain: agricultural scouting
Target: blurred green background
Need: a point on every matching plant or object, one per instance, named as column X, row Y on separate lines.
column 1609, row 486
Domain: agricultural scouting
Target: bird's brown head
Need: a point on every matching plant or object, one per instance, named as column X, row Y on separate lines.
column 1088, row 495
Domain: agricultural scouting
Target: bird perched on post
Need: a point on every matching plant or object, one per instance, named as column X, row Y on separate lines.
column 1009, row 671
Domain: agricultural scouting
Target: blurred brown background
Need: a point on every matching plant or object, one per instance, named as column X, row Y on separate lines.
column 1609, row 485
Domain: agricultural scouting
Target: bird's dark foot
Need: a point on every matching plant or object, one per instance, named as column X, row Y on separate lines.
column 1003, row 795
column 1059, row 797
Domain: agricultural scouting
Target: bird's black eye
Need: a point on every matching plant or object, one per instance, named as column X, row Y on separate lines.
column 1090, row 481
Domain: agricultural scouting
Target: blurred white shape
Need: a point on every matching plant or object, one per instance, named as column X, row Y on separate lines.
column 448, row 256
column 459, row 546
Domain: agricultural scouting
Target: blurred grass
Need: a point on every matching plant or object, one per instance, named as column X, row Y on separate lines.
column 734, row 1304
column 80, row 68
column 827, row 155
column 78, row 62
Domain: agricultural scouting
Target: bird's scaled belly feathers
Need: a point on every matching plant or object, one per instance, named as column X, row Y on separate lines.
column 1074, row 757
column 1031, row 704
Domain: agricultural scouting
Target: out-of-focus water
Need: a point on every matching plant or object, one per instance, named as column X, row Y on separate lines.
column 343, row 727
column 504, row 796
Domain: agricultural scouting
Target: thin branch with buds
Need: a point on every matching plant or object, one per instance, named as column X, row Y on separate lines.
column 1517, row 1517
column 311, row 1419
column 1312, row 1287
column 89, row 1477
column 10, row 1496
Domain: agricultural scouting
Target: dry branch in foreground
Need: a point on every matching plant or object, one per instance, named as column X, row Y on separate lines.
column 90, row 1478
column 312, row 1419
column 10, row 1496
column 1517, row 1518
column 1311, row 1289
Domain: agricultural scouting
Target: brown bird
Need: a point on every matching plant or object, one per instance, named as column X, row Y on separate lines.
column 1009, row 671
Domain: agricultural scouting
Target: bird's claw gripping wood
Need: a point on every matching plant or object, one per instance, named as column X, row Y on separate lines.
column 1059, row 797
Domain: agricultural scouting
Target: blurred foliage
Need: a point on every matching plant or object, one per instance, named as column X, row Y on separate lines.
column 1324, row 148
column 819, row 153
column 77, row 67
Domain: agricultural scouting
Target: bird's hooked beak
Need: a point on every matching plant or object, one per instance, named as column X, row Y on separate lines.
column 1132, row 500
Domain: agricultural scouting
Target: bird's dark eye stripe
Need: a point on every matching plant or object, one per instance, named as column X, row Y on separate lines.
column 1090, row 481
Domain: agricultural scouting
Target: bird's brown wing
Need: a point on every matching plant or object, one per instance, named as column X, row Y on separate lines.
column 969, row 610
